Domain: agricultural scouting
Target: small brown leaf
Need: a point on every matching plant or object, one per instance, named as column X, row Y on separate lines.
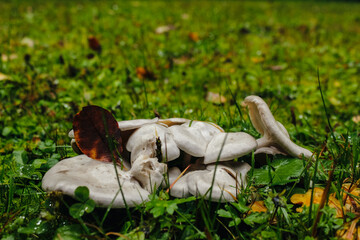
column 94, row 44
column 97, row 134
column 193, row 36
column 215, row 98
column 144, row 73
column 277, row 67
column 356, row 119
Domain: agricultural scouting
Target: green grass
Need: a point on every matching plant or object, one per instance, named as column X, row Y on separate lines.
column 271, row 49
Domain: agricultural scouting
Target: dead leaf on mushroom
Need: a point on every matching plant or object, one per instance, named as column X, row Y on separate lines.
column 97, row 134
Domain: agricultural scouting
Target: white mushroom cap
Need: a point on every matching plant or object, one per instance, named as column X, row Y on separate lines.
column 173, row 174
column 207, row 129
column 226, row 182
column 99, row 177
column 193, row 137
column 169, row 149
column 180, row 189
column 149, row 172
column 274, row 134
column 236, row 144
column 146, row 146
column 136, row 123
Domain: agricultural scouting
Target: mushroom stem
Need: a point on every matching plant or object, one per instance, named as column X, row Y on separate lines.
column 274, row 133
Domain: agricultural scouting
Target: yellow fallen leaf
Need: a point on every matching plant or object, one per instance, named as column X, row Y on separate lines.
column 352, row 203
column 257, row 59
column 3, row 77
column 258, row 206
column 305, row 199
column 349, row 231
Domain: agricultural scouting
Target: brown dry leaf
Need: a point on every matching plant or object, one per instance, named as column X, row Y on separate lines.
column 352, row 203
column 277, row 67
column 257, row 59
column 305, row 199
column 94, row 44
column 215, row 98
column 4, row 77
column 258, row 206
column 193, row 36
column 356, row 119
column 349, row 231
column 164, row 29
column 97, row 134
column 27, row 42
column 144, row 73
column 10, row 57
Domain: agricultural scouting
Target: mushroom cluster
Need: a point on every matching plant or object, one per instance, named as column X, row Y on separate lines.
column 203, row 149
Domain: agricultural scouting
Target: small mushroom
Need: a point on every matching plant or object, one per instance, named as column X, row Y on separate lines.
column 273, row 133
column 99, row 177
column 231, row 146
column 169, row 149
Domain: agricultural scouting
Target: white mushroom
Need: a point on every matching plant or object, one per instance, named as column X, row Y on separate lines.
column 193, row 137
column 226, row 185
column 136, row 123
column 273, row 133
column 99, row 177
column 169, row 149
column 231, row 146
column 145, row 146
column 149, row 172
column 180, row 189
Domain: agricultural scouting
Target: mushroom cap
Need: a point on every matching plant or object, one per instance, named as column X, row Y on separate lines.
column 99, row 177
column 207, row 129
column 274, row 133
column 169, row 149
column 149, row 172
column 236, row 144
column 180, row 189
column 193, row 137
column 189, row 140
column 146, row 146
column 226, row 182
column 136, row 123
